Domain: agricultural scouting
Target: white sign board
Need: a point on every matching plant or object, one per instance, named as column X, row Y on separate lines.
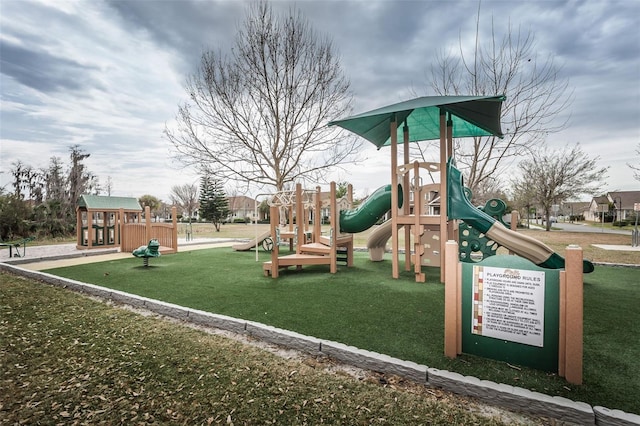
column 636, row 207
column 508, row 304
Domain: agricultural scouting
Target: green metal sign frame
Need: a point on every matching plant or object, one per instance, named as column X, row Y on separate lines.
column 542, row 358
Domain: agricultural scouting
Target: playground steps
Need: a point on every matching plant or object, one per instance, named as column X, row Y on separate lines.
column 296, row 260
column 315, row 248
column 341, row 240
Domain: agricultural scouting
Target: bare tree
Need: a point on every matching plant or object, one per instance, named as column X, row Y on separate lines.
column 56, row 184
column 186, row 197
column 535, row 95
column 551, row 177
column 636, row 167
column 109, row 186
column 80, row 180
column 258, row 115
column 28, row 183
column 154, row 204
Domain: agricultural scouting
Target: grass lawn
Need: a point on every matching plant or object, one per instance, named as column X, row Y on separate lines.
column 68, row 359
column 364, row 307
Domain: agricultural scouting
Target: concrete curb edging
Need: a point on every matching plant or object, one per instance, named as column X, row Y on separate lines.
column 505, row 396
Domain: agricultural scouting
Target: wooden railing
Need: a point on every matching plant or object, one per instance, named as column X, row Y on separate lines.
column 135, row 235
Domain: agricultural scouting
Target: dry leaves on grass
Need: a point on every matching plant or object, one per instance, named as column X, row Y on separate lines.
column 73, row 360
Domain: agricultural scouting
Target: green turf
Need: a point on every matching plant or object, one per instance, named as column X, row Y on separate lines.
column 364, row 307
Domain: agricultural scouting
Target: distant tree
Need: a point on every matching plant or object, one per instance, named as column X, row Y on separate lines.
column 636, row 167
column 341, row 189
column 14, row 215
column 524, row 200
column 186, row 197
column 535, row 95
column 53, row 192
column 551, row 177
column 80, row 180
column 488, row 189
column 28, row 183
column 214, row 206
column 153, row 202
column 109, row 186
column 264, row 208
column 55, row 180
column 52, row 219
column 259, row 115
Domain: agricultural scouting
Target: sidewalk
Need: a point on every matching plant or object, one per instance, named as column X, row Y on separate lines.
column 38, row 258
column 616, row 247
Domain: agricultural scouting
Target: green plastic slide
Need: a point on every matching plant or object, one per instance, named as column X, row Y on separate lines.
column 369, row 212
column 459, row 207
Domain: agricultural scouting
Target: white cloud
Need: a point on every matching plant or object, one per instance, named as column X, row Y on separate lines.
column 108, row 75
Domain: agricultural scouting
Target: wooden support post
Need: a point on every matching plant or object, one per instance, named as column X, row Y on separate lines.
column 299, row 218
column 395, row 270
column 291, row 227
column 574, row 315
column 417, row 227
column 102, row 226
column 514, row 220
column 406, row 205
column 317, row 216
column 274, row 213
column 459, row 303
column 562, row 324
column 79, row 228
column 90, row 231
column 451, row 304
column 120, row 219
column 335, row 225
column 147, row 227
column 174, row 229
column 452, row 228
column 443, row 192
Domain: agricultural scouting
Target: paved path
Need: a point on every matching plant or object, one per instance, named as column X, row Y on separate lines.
column 581, row 227
column 38, row 258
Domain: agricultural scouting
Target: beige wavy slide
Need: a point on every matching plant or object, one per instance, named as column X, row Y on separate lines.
column 251, row 243
column 377, row 241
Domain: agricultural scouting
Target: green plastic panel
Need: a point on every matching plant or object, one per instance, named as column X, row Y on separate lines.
column 544, row 357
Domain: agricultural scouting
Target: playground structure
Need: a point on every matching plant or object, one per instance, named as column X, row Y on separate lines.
column 431, row 215
column 117, row 222
column 311, row 247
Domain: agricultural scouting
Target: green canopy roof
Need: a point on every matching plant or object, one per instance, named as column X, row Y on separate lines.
column 98, row 202
column 471, row 116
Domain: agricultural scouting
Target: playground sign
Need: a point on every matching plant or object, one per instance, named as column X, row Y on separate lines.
column 508, row 304
column 510, row 311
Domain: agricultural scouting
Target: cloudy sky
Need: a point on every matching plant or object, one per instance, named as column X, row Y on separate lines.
column 108, row 75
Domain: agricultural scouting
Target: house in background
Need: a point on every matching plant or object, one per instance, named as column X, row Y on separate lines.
column 619, row 203
column 575, row 209
column 242, row 207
